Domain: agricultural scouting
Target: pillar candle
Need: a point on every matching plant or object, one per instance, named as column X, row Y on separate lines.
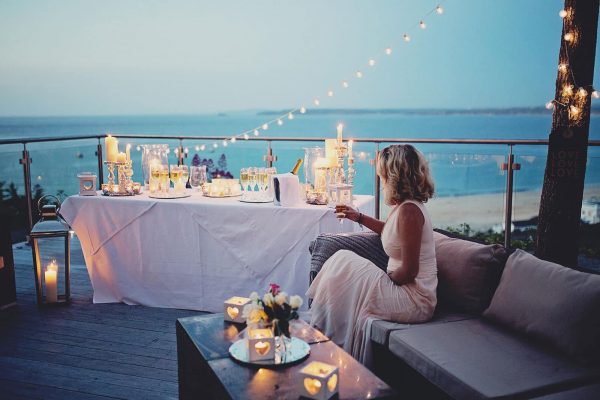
column 350, row 143
column 340, row 129
column 330, row 151
column 121, row 158
column 111, row 144
column 50, row 277
column 128, row 152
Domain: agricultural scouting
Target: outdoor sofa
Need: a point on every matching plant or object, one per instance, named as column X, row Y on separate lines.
column 507, row 325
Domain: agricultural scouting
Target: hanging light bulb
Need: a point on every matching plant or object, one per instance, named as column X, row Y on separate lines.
column 569, row 37
column 316, row 102
column 371, row 62
column 582, row 93
column 264, row 127
column 422, row 25
column 176, row 151
column 439, row 9
column 562, row 67
column 574, row 112
column 256, row 133
column 562, row 13
column 345, row 84
column 550, row 105
column 138, row 148
column 225, row 143
column 197, row 148
column 246, row 136
column 330, row 93
column 290, row 116
column 359, row 74
column 406, row 37
column 302, row 110
column 203, row 147
column 215, row 145
column 186, row 150
column 567, row 91
column 233, row 139
column 595, row 94
column 388, row 50
column 279, row 122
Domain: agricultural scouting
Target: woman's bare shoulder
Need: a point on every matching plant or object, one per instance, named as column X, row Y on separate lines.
column 410, row 212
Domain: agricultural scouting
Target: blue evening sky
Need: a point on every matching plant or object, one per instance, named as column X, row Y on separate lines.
column 171, row 57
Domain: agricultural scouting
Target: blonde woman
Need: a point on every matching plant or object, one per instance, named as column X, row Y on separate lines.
column 350, row 291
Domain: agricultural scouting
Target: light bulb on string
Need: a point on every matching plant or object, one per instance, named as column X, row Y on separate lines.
column 550, row 105
column 562, row 13
column 246, row 136
column 371, row 62
column 345, row 84
column 197, row 148
column 359, row 74
column 279, row 122
column 406, row 37
column 233, row 139
column 176, row 151
column 595, row 94
column 138, row 148
column 316, row 102
column 302, row 110
column 388, row 50
column 264, row 128
column 330, row 93
column 256, row 133
column 290, row 116
column 422, row 25
column 569, row 37
column 225, row 143
column 203, row 147
column 215, row 145
column 439, row 9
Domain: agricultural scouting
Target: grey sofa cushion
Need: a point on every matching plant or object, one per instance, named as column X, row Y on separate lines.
column 550, row 302
column 365, row 244
column 468, row 272
column 588, row 392
column 380, row 330
column 475, row 359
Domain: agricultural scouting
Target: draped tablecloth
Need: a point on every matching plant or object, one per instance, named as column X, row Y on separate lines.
column 195, row 252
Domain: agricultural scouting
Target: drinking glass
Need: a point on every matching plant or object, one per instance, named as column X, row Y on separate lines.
column 244, row 180
column 270, row 172
column 176, row 177
column 262, row 181
column 197, row 176
column 252, row 177
column 164, row 178
column 185, row 174
column 154, row 181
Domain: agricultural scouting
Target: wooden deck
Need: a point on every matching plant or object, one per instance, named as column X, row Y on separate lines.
column 84, row 350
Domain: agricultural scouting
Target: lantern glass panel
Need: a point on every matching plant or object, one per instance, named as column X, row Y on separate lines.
column 51, row 267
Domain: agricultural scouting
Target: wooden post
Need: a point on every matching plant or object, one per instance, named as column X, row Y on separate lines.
column 562, row 193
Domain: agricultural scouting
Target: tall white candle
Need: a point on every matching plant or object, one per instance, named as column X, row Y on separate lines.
column 350, row 143
column 340, row 129
column 128, row 152
column 112, row 148
column 50, row 277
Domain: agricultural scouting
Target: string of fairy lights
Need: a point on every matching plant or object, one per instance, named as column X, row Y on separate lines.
column 572, row 96
column 316, row 101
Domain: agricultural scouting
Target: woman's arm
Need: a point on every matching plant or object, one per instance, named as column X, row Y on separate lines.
column 350, row 213
column 410, row 230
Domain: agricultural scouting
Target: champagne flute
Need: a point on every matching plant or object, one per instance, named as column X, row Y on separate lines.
column 185, row 174
column 244, row 181
column 154, row 177
column 262, row 180
column 252, row 178
column 175, row 176
column 164, row 178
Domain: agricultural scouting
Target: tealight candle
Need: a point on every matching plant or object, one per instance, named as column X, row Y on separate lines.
column 233, row 308
column 261, row 344
column 318, row 381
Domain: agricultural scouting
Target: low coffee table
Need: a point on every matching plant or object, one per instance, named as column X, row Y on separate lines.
column 207, row 372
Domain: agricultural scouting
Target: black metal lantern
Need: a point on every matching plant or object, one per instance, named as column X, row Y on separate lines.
column 50, row 244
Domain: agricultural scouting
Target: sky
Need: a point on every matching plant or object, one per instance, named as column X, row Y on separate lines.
column 120, row 57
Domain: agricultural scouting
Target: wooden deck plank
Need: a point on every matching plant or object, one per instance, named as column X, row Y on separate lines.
column 83, row 350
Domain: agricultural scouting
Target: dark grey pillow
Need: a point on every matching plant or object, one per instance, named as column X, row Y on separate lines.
column 468, row 273
column 550, row 302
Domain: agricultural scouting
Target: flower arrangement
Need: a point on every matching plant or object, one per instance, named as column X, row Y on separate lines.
column 275, row 308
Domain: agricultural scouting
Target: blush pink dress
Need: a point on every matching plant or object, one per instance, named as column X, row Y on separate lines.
column 350, row 291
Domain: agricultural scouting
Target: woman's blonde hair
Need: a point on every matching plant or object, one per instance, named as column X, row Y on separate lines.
column 406, row 175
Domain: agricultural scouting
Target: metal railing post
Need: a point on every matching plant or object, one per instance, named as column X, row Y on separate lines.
column 269, row 158
column 26, row 161
column 180, row 154
column 509, row 167
column 100, row 167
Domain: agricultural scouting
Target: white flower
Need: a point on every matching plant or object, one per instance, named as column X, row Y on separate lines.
column 281, row 298
column 268, row 299
column 295, row 302
column 253, row 296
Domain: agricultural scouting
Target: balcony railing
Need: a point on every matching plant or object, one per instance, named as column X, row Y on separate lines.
column 504, row 154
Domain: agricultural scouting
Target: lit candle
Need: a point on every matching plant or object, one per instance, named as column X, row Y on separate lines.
column 128, row 152
column 111, row 144
column 330, row 151
column 121, row 157
column 50, row 277
column 340, row 129
column 350, row 143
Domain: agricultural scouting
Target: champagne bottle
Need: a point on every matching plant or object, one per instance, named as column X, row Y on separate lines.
column 297, row 167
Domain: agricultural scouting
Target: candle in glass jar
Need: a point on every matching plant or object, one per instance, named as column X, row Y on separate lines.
column 112, row 148
column 50, row 277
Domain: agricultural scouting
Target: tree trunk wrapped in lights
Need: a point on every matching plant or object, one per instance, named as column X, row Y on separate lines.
column 562, row 194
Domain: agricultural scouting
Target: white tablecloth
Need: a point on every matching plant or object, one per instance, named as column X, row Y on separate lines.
column 195, row 252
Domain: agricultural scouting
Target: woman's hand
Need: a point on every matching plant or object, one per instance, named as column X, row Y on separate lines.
column 344, row 211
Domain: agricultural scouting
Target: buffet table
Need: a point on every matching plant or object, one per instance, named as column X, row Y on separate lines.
column 193, row 253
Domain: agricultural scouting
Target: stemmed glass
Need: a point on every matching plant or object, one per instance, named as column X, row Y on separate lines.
column 175, row 176
column 197, row 176
column 262, row 182
column 164, row 178
column 252, row 178
column 185, row 174
column 244, row 181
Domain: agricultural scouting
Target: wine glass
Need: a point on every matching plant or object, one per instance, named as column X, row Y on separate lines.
column 197, row 176
column 244, row 181
column 175, row 176
column 252, row 177
column 185, row 174
column 154, row 181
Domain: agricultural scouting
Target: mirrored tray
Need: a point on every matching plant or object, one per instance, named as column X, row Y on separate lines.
column 169, row 195
column 296, row 351
column 222, row 197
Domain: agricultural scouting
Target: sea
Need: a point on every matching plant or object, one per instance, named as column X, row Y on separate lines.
column 458, row 169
